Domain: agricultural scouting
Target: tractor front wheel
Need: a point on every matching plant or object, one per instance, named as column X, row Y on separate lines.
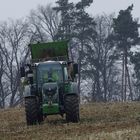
column 72, row 108
column 31, row 109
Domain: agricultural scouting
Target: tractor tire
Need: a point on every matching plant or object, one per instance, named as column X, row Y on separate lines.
column 31, row 109
column 72, row 108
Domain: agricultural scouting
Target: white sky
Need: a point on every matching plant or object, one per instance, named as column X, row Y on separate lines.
column 15, row 9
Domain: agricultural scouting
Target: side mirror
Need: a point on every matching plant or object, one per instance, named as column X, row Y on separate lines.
column 30, row 76
column 75, row 68
column 22, row 71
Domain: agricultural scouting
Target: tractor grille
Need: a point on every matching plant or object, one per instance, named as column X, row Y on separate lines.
column 50, row 92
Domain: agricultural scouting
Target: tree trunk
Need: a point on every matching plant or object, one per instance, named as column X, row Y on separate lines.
column 105, row 88
column 125, row 77
column 97, row 78
column 2, row 96
column 93, row 91
column 122, row 78
column 80, row 64
column 105, row 79
column 125, row 68
column 129, row 83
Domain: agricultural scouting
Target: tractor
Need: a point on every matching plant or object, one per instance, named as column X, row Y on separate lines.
column 50, row 83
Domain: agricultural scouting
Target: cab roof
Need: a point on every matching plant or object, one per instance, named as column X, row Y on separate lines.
column 50, row 62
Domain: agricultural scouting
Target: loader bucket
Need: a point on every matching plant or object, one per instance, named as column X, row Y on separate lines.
column 49, row 50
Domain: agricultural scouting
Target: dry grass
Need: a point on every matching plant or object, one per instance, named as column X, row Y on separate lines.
column 102, row 121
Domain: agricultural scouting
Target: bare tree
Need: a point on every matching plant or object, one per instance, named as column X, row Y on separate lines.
column 13, row 38
column 2, row 93
column 45, row 22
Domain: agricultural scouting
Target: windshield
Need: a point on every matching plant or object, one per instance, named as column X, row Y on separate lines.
column 49, row 73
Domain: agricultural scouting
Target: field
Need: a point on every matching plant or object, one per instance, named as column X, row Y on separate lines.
column 104, row 121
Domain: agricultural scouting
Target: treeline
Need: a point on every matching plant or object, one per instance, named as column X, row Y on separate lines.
column 105, row 47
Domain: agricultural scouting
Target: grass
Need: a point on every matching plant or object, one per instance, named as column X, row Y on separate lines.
column 104, row 121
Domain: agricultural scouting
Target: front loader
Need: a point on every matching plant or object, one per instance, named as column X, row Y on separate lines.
column 50, row 85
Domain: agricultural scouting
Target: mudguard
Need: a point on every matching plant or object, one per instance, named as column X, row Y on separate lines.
column 73, row 89
column 29, row 91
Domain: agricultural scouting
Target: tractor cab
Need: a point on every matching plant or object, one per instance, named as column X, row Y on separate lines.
column 51, row 71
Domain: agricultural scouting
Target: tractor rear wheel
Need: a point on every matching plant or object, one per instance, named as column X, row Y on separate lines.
column 72, row 108
column 31, row 109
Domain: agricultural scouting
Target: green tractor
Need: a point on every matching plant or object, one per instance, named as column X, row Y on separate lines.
column 50, row 85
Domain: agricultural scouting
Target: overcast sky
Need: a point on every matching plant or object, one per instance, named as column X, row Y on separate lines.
column 15, row 9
